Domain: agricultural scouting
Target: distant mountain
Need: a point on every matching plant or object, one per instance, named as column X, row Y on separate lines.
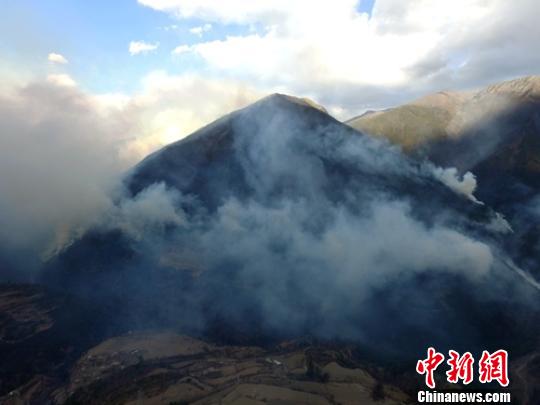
column 495, row 130
column 413, row 125
column 277, row 221
column 448, row 114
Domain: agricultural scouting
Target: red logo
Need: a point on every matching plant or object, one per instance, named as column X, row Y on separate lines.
column 461, row 368
column 491, row 367
column 429, row 365
column 494, row 367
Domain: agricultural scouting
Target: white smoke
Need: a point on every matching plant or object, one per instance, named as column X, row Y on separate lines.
column 150, row 212
column 499, row 224
column 466, row 185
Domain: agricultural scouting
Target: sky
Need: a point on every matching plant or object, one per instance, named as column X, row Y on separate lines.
column 174, row 65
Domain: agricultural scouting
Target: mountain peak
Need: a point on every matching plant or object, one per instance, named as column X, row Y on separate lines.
column 181, row 163
column 305, row 101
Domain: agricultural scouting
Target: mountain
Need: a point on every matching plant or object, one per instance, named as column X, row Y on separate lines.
column 277, row 222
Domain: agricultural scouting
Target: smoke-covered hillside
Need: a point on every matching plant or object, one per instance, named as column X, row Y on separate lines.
column 278, row 221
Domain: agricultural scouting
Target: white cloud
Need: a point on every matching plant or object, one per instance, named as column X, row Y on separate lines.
column 349, row 59
column 61, row 79
column 200, row 29
column 232, row 11
column 181, row 49
column 172, row 27
column 137, row 47
column 57, row 58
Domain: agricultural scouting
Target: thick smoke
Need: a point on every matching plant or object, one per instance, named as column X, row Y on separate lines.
column 59, row 159
column 309, row 225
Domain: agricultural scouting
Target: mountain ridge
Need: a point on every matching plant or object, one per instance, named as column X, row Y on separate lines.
column 445, row 108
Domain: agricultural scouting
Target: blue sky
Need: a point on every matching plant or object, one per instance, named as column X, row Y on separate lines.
column 94, row 37
column 366, row 6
